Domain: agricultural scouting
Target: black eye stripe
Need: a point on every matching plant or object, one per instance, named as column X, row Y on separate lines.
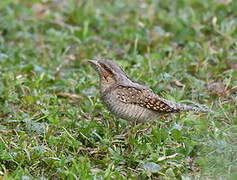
column 106, row 68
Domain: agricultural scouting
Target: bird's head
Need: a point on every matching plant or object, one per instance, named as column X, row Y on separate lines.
column 109, row 71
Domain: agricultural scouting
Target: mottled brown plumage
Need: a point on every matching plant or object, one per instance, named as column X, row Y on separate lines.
column 128, row 99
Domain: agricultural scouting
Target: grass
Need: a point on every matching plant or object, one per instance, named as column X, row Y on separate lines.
column 52, row 123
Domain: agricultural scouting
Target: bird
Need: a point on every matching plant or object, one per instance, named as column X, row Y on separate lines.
column 131, row 100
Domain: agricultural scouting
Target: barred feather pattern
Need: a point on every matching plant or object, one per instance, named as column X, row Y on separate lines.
column 128, row 111
column 141, row 104
column 128, row 99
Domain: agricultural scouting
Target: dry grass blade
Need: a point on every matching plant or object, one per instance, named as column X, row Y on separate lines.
column 73, row 96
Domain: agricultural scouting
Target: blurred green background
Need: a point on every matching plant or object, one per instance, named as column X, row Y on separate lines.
column 52, row 123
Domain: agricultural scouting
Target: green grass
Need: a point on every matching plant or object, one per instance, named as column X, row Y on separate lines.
column 44, row 46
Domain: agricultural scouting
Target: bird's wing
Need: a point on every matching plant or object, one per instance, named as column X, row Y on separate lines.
column 144, row 98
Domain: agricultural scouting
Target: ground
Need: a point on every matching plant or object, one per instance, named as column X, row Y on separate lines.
column 52, row 122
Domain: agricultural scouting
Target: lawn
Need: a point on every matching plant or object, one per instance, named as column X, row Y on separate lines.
column 52, row 122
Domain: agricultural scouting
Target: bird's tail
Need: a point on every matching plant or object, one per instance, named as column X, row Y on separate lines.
column 184, row 107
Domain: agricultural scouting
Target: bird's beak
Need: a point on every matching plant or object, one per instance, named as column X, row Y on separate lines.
column 95, row 62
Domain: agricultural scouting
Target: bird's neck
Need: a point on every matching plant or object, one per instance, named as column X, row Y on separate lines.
column 106, row 83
